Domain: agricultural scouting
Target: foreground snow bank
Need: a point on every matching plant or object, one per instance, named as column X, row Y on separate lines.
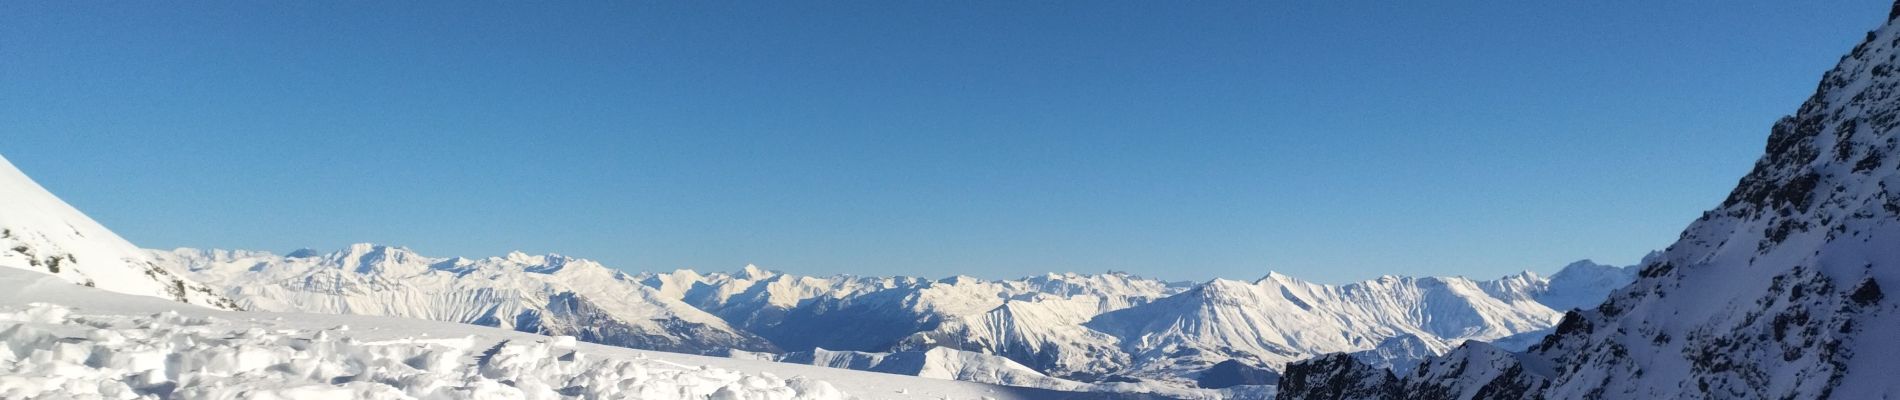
column 51, row 351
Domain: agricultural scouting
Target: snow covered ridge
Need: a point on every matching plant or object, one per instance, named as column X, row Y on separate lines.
column 1055, row 331
column 551, row 294
column 41, row 233
column 1120, row 328
column 1779, row 292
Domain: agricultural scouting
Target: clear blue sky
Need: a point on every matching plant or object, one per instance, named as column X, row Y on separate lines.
column 1327, row 140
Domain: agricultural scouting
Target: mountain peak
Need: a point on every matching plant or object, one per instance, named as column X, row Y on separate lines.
column 1586, row 268
column 361, row 250
column 41, row 233
column 1583, row 263
column 304, row 253
column 520, row 257
column 959, row 280
column 380, row 259
column 753, row 272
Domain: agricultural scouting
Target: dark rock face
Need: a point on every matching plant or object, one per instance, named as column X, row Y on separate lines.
column 1775, row 294
column 1479, row 371
column 1232, row 373
column 1337, row 377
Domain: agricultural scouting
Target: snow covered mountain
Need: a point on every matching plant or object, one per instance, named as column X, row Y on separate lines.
column 1584, row 284
column 1118, row 327
column 41, row 233
column 1399, row 353
column 1043, row 330
column 1088, row 328
column 1776, row 293
column 1279, row 319
column 548, row 294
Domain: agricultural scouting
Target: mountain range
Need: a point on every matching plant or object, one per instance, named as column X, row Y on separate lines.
column 1058, row 331
column 1777, row 292
column 1108, row 332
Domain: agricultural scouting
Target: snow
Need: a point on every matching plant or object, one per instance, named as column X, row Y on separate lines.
column 1065, row 327
column 1399, row 353
column 1279, row 319
column 41, row 233
column 1583, row 284
column 1071, row 326
column 938, row 363
column 67, row 341
column 548, row 294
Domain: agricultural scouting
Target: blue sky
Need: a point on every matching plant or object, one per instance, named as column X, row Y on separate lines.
column 1329, row 140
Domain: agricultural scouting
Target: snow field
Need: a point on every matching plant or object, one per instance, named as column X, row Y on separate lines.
column 51, row 352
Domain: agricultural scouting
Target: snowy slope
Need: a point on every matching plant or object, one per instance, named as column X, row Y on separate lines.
column 548, row 294
column 1399, row 353
column 939, row 363
column 1776, row 293
column 888, row 312
column 41, row 233
column 757, row 299
column 1279, row 319
column 1584, row 284
column 1042, row 329
column 63, row 340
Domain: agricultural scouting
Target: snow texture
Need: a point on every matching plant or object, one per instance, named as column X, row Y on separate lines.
column 64, row 341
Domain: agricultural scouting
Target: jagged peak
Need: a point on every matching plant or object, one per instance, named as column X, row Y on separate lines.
column 366, row 247
column 1525, row 275
column 522, row 257
column 1276, row 276
column 1226, row 289
column 1653, row 256
column 753, row 272
column 960, row 280
column 1403, row 340
column 361, row 250
column 686, row 273
column 1586, row 263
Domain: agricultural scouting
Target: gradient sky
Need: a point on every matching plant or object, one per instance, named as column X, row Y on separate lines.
column 1334, row 141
